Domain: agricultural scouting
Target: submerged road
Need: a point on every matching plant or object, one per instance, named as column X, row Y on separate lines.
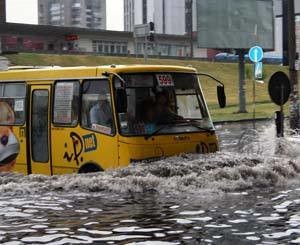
column 249, row 193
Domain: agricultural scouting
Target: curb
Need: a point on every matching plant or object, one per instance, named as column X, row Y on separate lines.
column 243, row 120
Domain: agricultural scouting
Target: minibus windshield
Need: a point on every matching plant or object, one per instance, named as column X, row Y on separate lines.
column 163, row 103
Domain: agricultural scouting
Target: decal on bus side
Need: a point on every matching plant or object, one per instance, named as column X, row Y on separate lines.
column 9, row 144
column 77, row 149
column 90, row 142
column 87, row 143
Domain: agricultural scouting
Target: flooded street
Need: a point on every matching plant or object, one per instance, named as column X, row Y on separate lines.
column 249, row 193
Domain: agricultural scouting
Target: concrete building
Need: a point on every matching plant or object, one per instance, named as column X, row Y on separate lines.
column 73, row 13
column 169, row 16
column 54, row 39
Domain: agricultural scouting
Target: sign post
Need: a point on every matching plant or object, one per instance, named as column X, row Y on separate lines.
column 258, row 70
column 146, row 32
column 256, row 54
column 279, row 91
column 142, row 31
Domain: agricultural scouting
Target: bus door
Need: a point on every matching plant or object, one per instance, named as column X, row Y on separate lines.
column 39, row 130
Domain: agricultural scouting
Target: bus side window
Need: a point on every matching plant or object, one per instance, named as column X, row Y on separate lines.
column 97, row 107
column 12, row 103
column 66, row 103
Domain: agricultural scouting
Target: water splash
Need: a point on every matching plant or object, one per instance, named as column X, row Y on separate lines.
column 217, row 173
column 264, row 142
column 262, row 161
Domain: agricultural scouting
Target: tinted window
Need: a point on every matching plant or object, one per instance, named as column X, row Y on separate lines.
column 39, row 126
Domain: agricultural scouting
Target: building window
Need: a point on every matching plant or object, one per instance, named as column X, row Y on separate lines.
column 106, row 48
column 100, row 48
column 110, row 47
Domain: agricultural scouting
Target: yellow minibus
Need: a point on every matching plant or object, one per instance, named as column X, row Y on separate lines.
column 56, row 120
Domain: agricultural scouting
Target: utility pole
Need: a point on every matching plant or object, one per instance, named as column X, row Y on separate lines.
column 294, row 98
column 285, row 41
column 242, row 89
column 189, row 19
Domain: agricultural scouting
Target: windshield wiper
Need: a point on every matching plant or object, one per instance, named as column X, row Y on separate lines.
column 158, row 130
column 191, row 122
column 194, row 123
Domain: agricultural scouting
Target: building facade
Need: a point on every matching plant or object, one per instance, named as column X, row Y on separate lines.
column 170, row 16
column 73, row 13
column 16, row 37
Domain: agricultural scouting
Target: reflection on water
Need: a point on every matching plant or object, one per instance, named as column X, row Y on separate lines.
column 236, row 217
column 246, row 194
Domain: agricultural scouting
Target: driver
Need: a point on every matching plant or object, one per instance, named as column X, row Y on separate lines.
column 164, row 114
column 148, row 115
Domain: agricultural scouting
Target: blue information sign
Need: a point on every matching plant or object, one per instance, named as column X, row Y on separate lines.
column 256, row 54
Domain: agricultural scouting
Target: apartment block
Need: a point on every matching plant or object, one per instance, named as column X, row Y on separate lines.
column 73, row 13
column 170, row 16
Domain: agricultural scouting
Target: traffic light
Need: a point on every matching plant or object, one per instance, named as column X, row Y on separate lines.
column 151, row 26
column 151, row 31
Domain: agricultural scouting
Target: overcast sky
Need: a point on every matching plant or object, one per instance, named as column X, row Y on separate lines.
column 25, row 11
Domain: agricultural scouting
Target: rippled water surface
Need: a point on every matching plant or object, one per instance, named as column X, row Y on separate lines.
column 249, row 193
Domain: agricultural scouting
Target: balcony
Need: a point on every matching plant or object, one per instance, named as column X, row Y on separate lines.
column 76, row 6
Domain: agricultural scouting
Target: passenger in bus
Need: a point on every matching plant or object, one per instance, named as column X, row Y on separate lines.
column 101, row 113
column 164, row 114
column 148, row 115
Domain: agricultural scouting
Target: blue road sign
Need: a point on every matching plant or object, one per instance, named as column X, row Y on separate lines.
column 256, row 54
column 258, row 70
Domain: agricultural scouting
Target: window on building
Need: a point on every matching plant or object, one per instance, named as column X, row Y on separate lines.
column 55, row 18
column 118, row 48
column 110, row 47
column 94, row 46
column 41, row 8
column 124, row 49
column 106, row 48
column 100, row 48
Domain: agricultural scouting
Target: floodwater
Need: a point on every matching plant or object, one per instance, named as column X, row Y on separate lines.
column 249, row 193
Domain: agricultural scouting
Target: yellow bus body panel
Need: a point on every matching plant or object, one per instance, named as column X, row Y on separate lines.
column 134, row 149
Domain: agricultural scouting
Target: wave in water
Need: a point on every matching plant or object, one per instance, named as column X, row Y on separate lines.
column 221, row 172
column 262, row 160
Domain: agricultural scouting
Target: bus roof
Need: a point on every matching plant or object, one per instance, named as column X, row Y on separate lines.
column 55, row 72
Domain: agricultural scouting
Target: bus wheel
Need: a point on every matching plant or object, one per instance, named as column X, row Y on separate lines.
column 90, row 168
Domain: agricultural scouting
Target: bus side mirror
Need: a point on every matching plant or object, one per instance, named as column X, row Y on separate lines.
column 121, row 100
column 221, row 96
